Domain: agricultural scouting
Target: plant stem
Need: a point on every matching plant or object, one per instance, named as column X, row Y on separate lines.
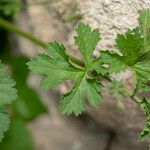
column 133, row 97
column 10, row 27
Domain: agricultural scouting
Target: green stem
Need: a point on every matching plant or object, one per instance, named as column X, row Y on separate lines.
column 12, row 28
column 133, row 97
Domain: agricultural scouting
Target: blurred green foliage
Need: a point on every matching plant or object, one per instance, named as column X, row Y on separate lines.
column 118, row 93
column 28, row 105
column 17, row 138
column 9, row 7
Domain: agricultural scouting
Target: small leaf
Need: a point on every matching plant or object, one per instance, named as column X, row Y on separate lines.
column 146, row 132
column 109, row 62
column 93, row 89
column 7, row 91
column 117, row 90
column 145, row 106
column 130, row 45
column 120, row 105
column 4, row 123
column 144, row 26
column 7, row 95
column 73, row 102
column 57, row 51
column 142, row 70
column 87, row 39
column 54, row 71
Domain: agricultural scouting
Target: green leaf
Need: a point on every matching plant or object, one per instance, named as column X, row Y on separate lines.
column 146, row 132
column 56, row 68
column 7, row 95
column 142, row 70
column 109, row 62
column 120, row 105
column 144, row 26
column 55, row 71
column 75, row 16
column 117, row 90
column 93, row 91
column 17, row 138
column 87, row 39
column 118, row 93
column 28, row 105
column 7, row 90
column 130, row 45
column 73, row 102
column 145, row 106
column 57, row 51
column 131, row 56
column 4, row 123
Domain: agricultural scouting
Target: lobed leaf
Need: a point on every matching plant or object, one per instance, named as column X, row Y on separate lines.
column 130, row 45
column 142, row 70
column 146, row 132
column 4, row 123
column 7, row 91
column 87, row 39
column 73, row 102
column 7, row 95
column 57, row 51
column 54, row 71
column 113, row 61
column 145, row 106
column 144, row 26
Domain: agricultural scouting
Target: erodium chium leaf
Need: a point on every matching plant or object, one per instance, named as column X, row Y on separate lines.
column 56, row 68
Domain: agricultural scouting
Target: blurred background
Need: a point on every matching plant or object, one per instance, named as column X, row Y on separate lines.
column 36, row 120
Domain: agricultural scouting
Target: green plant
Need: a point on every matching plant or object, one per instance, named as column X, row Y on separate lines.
column 133, row 50
column 57, row 66
column 27, row 106
column 7, row 95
